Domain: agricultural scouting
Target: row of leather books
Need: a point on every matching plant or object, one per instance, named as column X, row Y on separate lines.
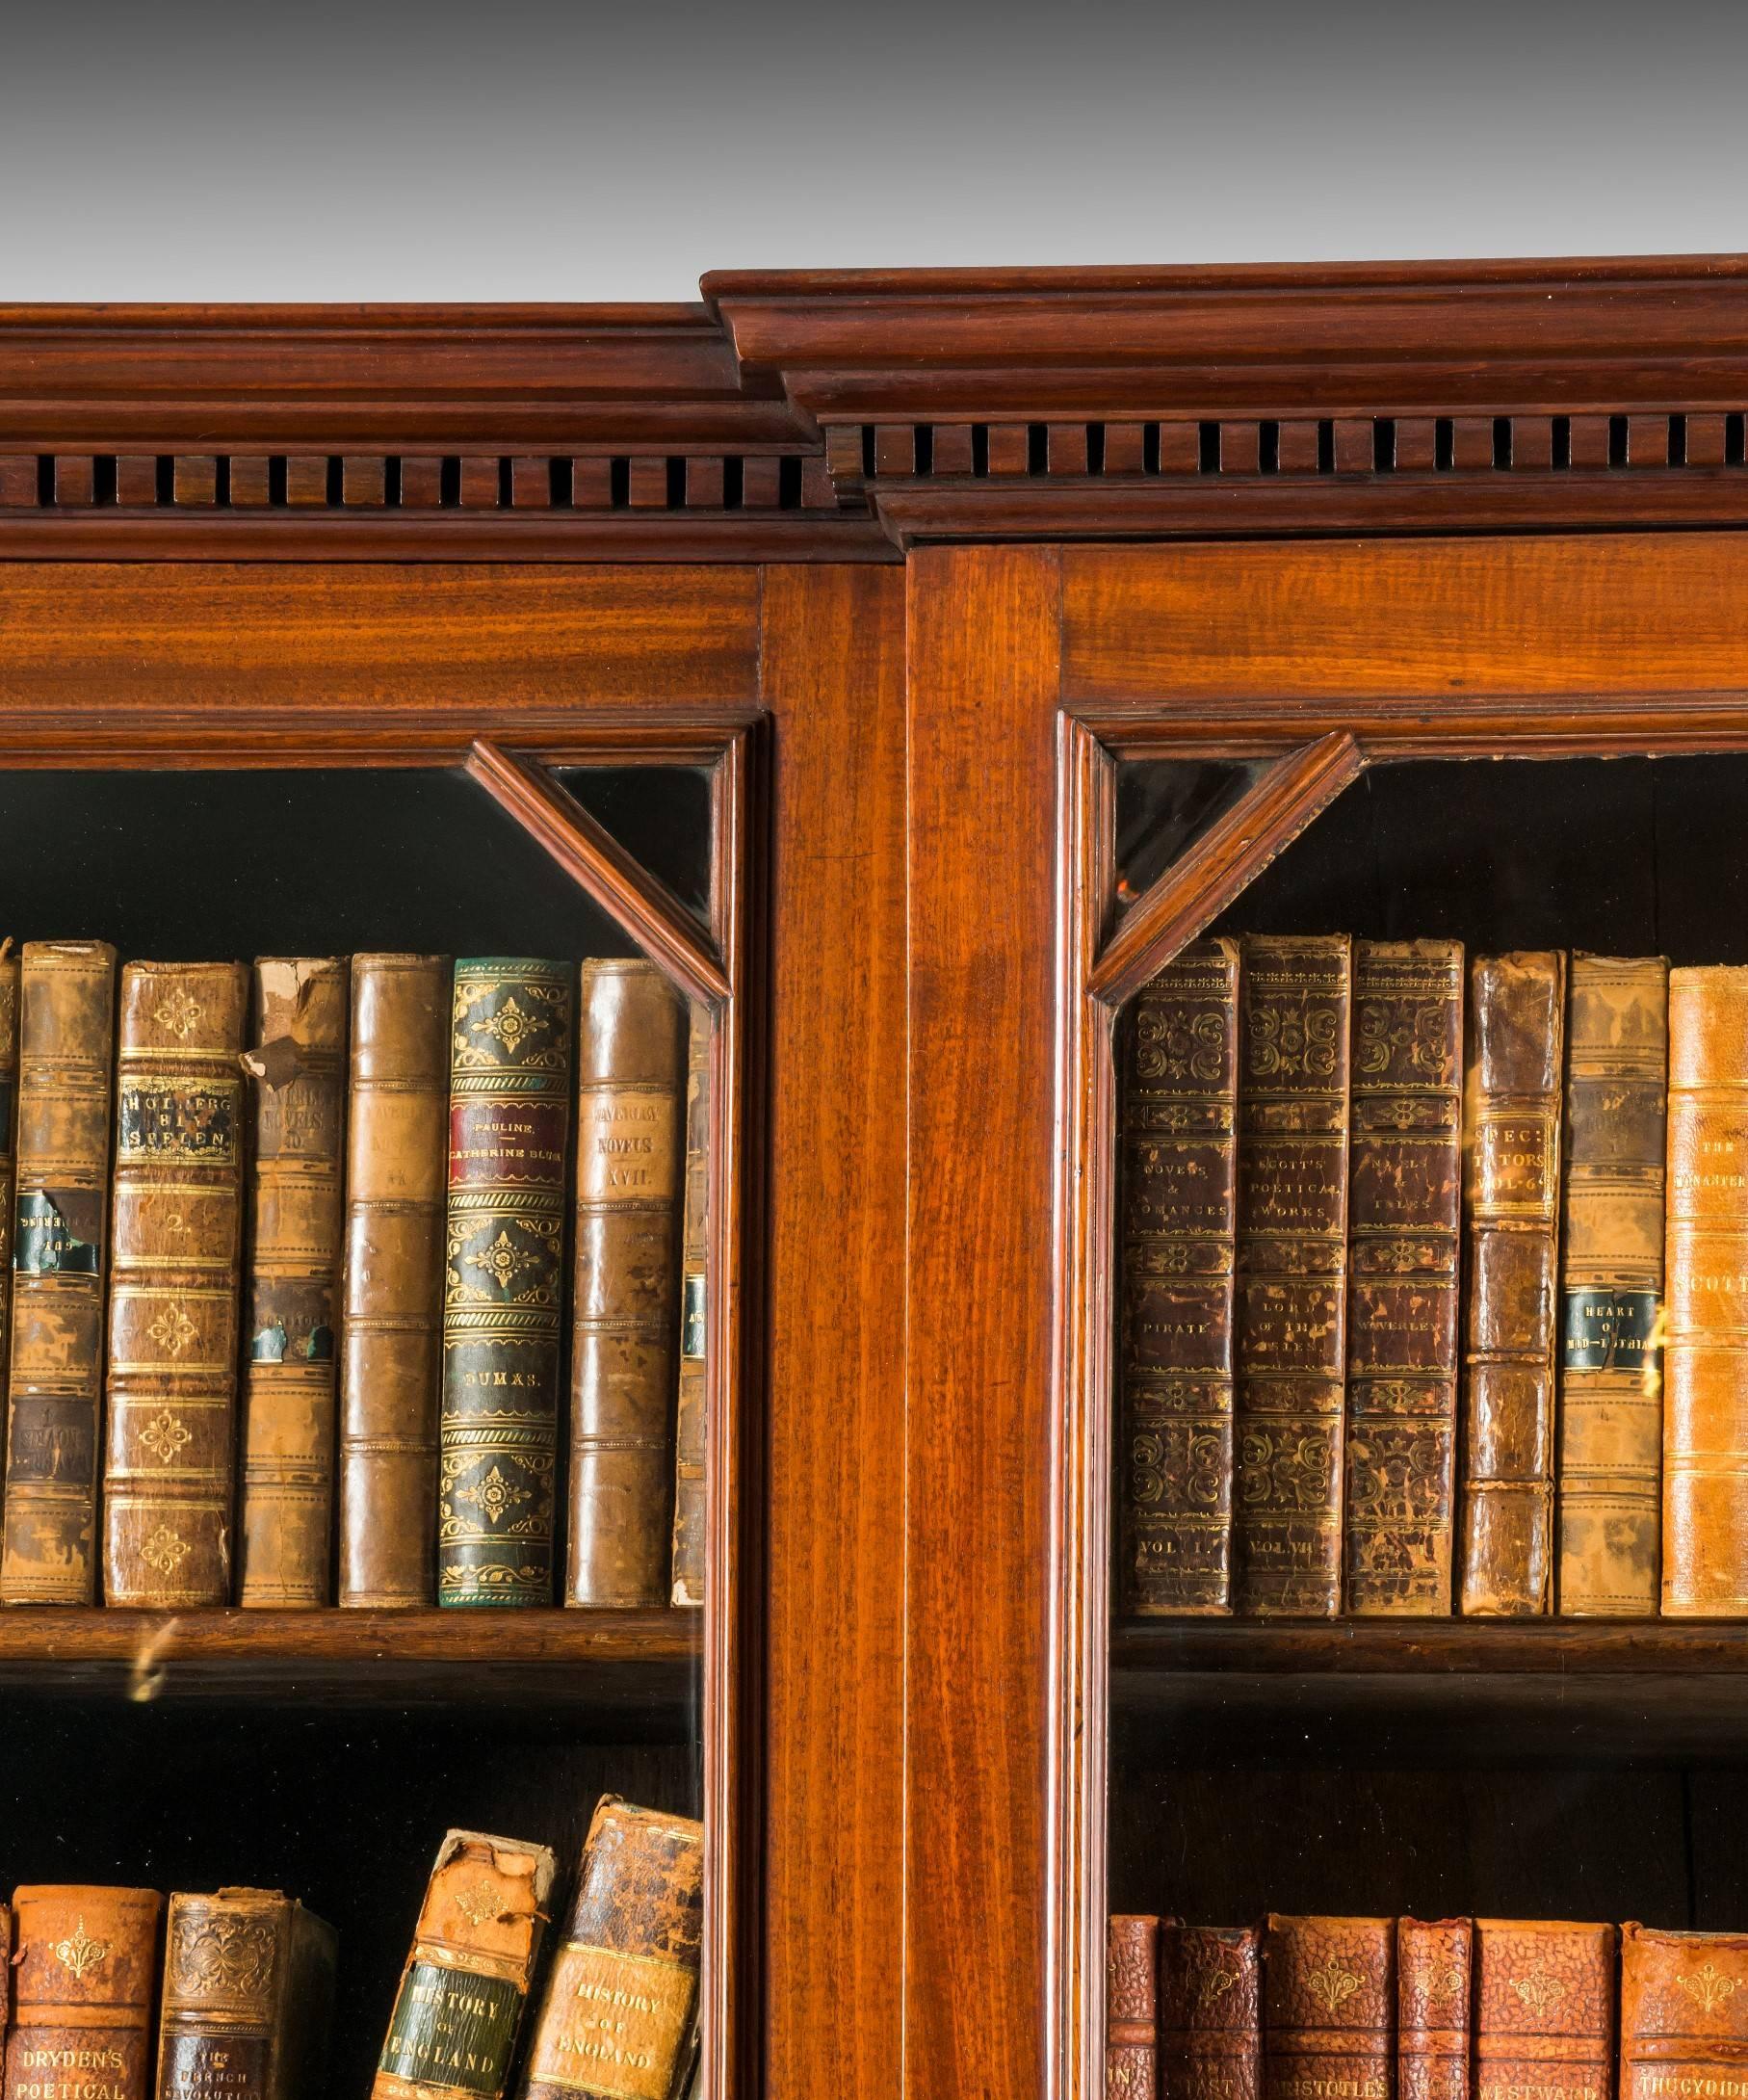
column 287, row 1281
column 232, row 1998
column 1334, row 1216
column 1392, row 2009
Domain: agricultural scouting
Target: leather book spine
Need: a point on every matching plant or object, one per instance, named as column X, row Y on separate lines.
column 1608, row 1486
column 1211, row 2012
column 691, row 1423
column 284, row 1548
column 630, row 1058
column 618, row 2007
column 171, row 1398
column 510, row 1109
column 9, row 1146
column 85, row 1972
column 1179, row 1194
column 1294, row 1012
column 391, row 1324
column 1705, row 1345
column 1517, row 1007
column 249, row 1986
column 464, row 1988
column 1404, row 1217
column 1329, row 2009
column 1683, row 2015
column 1434, row 1970
column 66, row 1040
column 1544, row 2011
column 1132, row 1947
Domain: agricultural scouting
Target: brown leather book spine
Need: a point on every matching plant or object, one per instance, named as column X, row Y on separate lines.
column 464, row 1988
column 1609, row 1490
column 631, row 1060
column 1683, row 2015
column 1434, row 1969
column 1131, row 1948
column 83, row 1977
column 9, row 1146
column 1404, row 1206
column 1211, row 2012
column 249, row 1988
column 691, row 1423
column 66, row 1043
column 1291, row 1300
column 391, row 1327
column 632, row 1947
column 1178, row 1197
column 1329, row 2009
column 1705, row 1348
column 1544, row 2011
column 284, row 1547
column 171, row 1397
column 1517, row 1006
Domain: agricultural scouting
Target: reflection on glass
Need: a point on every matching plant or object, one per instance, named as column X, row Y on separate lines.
column 1165, row 804
column 660, row 814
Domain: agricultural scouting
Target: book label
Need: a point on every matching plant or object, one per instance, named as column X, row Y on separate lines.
column 614, row 2023
column 212, row 2066
column 1608, row 1330
column 57, row 1233
column 161, row 1117
column 453, row 2029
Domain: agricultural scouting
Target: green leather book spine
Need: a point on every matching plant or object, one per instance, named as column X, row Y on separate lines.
column 509, row 1112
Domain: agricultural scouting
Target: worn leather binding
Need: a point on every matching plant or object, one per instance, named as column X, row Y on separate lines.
column 8, row 1141
column 85, row 1972
column 1544, row 2011
column 1706, row 1351
column 391, row 1330
column 1517, row 1006
column 1434, row 1971
column 1132, row 1947
column 1405, row 1203
column 617, row 2011
column 631, row 1057
column 1683, row 2015
column 66, row 1032
column 1211, row 2012
column 171, row 1396
column 465, row 1986
column 249, row 1988
column 284, row 1547
column 1609, row 1492
column 691, row 1423
column 1328, row 2009
column 1291, row 1294
column 1180, row 1057
column 510, row 1107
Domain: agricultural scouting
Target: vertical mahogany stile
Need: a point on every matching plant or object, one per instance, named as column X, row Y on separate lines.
column 979, row 2002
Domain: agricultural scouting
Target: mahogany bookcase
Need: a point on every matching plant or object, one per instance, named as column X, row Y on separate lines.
column 913, row 567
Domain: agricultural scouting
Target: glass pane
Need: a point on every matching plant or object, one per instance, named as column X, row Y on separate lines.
column 660, row 814
column 1165, row 805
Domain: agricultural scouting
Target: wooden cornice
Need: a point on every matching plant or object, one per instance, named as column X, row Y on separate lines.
column 843, row 415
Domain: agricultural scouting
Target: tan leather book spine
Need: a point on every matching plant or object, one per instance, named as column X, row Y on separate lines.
column 1329, row 2009
column 464, row 1988
column 1211, row 2012
column 1517, row 1007
column 66, row 1046
column 1405, row 1213
column 248, row 1989
column 1132, row 1948
column 168, row 1481
column 1608, row 1485
column 631, row 1061
column 285, row 1538
column 1683, row 2015
column 1178, row 1209
column 1434, row 1971
column 691, row 1424
column 618, row 2007
column 1544, row 2011
column 8, row 1148
column 1294, row 1012
column 1706, row 1346
column 85, row 1974
column 391, row 1325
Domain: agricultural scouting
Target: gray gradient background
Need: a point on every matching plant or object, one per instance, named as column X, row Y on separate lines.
column 533, row 149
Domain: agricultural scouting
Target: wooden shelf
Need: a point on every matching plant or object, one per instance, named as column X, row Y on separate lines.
column 624, row 1659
